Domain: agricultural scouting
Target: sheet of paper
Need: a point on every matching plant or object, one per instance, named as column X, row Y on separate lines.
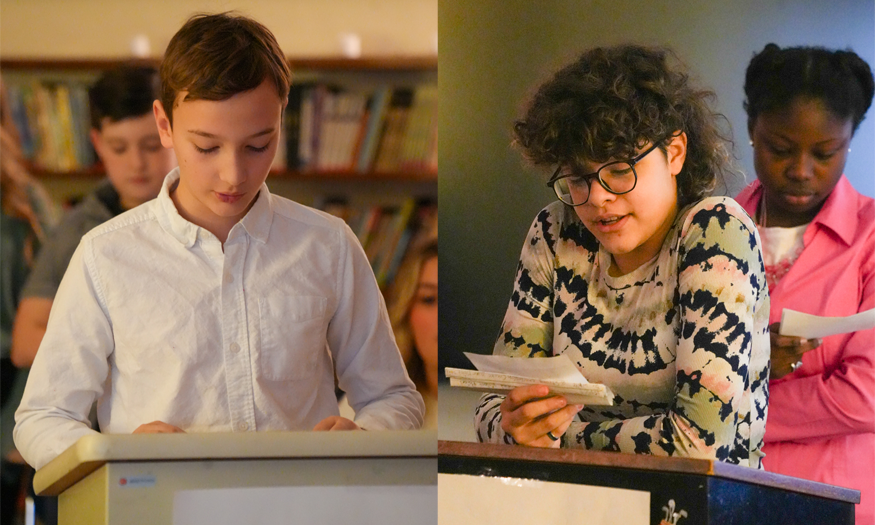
column 810, row 326
column 488, row 500
column 559, row 367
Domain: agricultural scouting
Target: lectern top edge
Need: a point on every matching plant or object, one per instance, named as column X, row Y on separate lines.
column 92, row 451
column 704, row 467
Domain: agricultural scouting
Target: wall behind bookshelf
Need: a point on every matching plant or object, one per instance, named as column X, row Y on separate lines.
column 346, row 90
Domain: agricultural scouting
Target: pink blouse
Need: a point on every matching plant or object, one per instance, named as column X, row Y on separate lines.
column 821, row 420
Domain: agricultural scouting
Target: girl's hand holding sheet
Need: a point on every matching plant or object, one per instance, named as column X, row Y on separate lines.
column 535, row 420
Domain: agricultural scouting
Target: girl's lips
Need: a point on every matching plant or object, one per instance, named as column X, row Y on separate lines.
column 610, row 227
column 799, row 200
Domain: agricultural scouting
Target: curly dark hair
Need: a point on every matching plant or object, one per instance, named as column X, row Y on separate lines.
column 840, row 79
column 612, row 101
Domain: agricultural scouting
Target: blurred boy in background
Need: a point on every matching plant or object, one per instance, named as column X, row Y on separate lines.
column 126, row 140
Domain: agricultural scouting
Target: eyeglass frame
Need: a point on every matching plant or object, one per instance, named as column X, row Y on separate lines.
column 595, row 175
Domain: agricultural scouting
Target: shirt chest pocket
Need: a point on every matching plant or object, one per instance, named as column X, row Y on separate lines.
column 293, row 336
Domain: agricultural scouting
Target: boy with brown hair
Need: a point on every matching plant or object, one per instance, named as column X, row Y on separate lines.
column 217, row 306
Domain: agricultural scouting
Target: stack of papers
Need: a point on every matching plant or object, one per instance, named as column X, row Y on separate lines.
column 500, row 375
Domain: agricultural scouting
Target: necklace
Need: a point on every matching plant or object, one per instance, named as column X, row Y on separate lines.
column 775, row 272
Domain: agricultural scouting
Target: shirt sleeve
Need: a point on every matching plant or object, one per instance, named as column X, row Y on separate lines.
column 368, row 364
column 51, row 263
column 832, row 404
column 527, row 329
column 70, row 368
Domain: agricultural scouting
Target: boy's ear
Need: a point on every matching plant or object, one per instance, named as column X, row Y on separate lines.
column 164, row 128
column 96, row 141
column 676, row 153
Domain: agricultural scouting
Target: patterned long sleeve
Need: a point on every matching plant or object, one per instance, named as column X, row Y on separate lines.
column 682, row 340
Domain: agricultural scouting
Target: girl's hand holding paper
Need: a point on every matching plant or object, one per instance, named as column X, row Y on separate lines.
column 536, row 420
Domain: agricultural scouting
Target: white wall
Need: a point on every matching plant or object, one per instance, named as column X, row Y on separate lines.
column 104, row 28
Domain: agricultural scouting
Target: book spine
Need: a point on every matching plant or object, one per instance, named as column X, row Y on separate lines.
column 292, row 126
column 376, row 123
column 399, row 225
column 65, row 129
column 396, row 123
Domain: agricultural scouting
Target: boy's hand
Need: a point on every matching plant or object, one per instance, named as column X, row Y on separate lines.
column 158, row 427
column 528, row 415
column 336, row 423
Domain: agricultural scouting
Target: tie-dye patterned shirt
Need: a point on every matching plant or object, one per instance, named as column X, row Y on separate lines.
column 682, row 340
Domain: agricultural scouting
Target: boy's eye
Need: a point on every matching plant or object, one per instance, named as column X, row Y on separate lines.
column 152, row 146
column 257, row 149
column 207, row 150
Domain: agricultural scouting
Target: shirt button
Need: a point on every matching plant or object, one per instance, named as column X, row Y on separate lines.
column 235, row 347
column 243, row 426
column 229, row 278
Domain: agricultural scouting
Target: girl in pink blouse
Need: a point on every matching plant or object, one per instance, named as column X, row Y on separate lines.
column 818, row 239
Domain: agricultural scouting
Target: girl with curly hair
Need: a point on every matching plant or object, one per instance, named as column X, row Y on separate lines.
column 804, row 105
column 647, row 283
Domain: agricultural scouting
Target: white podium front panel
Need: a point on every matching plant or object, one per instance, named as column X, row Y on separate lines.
column 376, row 477
column 379, row 504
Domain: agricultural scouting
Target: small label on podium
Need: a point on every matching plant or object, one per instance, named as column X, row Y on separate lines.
column 136, row 482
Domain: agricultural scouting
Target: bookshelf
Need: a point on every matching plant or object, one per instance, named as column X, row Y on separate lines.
column 362, row 74
column 343, row 182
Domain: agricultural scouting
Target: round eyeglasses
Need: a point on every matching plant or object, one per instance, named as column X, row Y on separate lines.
column 617, row 177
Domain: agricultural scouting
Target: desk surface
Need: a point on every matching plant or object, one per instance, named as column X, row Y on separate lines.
column 644, row 462
column 91, row 452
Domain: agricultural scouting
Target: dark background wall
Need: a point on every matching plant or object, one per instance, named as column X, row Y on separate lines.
column 494, row 53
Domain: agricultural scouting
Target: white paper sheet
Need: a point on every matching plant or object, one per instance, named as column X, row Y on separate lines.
column 559, row 368
column 809, row 326
column 485, row 500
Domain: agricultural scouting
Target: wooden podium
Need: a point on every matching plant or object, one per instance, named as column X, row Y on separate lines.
column 709, row 492
column 308, row 477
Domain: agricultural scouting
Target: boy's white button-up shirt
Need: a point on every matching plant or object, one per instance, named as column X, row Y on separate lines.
column 157, row 322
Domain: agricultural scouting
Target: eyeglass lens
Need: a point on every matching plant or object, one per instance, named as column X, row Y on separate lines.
column 616, row 177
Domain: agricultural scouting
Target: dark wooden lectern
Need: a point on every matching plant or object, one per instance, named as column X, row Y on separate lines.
column 710, row 492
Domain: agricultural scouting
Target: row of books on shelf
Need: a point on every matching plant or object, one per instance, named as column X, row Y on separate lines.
column 387, row 232
column 53, row 123
column 327, row 128
column 388, row 129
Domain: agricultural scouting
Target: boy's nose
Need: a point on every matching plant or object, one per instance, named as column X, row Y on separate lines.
column 235, row 171
column 137, row 159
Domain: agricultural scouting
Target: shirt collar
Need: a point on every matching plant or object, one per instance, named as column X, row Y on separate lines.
column 256, row 222
column 258, row 219
column 837, row 213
